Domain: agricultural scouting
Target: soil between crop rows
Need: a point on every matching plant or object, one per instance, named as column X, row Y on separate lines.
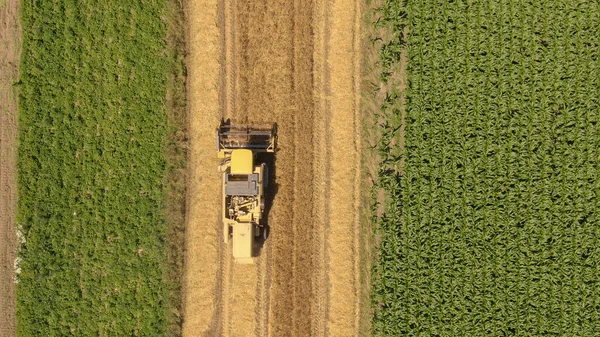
column 10, row 40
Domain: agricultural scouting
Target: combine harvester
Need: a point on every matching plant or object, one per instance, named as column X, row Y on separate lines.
column 244, row 184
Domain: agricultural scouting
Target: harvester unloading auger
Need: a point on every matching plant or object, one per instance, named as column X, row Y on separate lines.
column 244, row 184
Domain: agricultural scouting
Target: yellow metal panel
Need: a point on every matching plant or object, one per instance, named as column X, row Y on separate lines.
column 245, row 218
column 241, row 161
column 242, row 241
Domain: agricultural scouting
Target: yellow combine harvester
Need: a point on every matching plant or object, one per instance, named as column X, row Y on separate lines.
column 244, row 184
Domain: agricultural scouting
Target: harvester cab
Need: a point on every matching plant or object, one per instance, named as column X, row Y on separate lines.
column 244, row 184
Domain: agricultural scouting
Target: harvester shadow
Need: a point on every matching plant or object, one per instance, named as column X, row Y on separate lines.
column 270, row 192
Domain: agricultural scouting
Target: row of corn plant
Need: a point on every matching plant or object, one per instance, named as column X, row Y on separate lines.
column 93, row 134
column 493, row 225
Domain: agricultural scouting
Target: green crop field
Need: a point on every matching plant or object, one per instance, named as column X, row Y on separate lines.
column 492, row 223
column 94, row 165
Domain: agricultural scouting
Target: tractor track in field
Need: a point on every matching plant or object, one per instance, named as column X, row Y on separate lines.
column 224, row 291
column 322, row 150
column 263, row 271
column 228, row 102
column 10, row 40
column 277, row 61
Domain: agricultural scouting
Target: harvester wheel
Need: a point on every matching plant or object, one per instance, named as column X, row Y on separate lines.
column 265, row 233
column 226, row 232
column 266, row 177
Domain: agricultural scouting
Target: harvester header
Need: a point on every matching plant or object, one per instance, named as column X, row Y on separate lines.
column 259, row 138
column 244, row 184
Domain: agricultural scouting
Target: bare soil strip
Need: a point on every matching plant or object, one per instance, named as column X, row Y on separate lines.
column 203, row 231
column 10, row 40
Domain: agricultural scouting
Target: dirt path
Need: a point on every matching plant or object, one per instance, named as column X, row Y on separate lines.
column 10, row 40
column 295, row 63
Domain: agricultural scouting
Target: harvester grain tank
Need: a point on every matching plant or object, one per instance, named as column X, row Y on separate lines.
column 244, row 184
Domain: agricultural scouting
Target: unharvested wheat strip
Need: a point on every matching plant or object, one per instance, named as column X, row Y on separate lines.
column 240, row 291
column 229, row 79
column 319, row 300
column 228, row 82
column 202, row 230
column 341, row 248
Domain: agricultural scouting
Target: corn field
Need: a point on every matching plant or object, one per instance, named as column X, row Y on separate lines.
column 492, row 227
